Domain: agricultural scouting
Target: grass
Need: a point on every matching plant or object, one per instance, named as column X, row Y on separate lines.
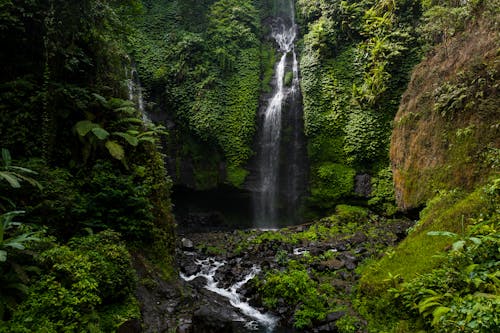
column 419, row 252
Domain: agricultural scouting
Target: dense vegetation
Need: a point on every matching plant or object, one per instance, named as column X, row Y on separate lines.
column 355, row 62
column 84, row 190
column 77, row 162
column 201, row 62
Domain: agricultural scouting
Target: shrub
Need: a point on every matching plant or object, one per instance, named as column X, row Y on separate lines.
column 79, row 283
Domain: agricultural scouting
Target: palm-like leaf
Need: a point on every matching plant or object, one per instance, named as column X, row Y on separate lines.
column 132, row 140
column 84, row 127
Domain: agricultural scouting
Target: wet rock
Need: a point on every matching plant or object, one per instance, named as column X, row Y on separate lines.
column 331, row 265
column 350, row 265
column 187, row 244
column 199, row 282
column 190, row 269
column 215, row 315
column 185, row 326
column 325, row 328
column 362, row 185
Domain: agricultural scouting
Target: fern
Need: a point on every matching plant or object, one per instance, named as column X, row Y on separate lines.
column 131, row 140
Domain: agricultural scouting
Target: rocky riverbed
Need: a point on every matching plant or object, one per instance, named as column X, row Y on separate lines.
column 242, row 281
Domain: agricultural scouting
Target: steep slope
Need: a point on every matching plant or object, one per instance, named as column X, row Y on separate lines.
column 446, row 132
column 445, row 151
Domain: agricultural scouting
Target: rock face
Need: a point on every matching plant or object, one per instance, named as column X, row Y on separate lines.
column 446, row 132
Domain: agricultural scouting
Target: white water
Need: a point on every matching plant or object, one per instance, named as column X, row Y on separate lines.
column 209, row 267
column 284, row 32
column 135, row 92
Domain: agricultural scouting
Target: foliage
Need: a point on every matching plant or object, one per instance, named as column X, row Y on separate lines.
column 355, row 64
column 14, row 175
column 125, row 125
column 78, row 282
column 297, row 289
column 462, row 294
column 449, row 259
column 113, row 200
column 333, row 181
column 382, row 196
column 208, row 72
column 16, row 241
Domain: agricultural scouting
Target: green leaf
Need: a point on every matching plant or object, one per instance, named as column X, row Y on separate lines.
column 475, row 240
column 23, row 169
column 442, row 233
column 116, row 150
column 85, row 126
column 100, row 99
column 29, row 180
column 11, row 179
column 148, row 139
column 458, row 245
column 438, row 313
column 100, row 133
column 3, row 255
column 132, row 140
column 6, row 157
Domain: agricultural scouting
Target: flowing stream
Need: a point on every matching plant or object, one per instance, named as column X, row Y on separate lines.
column 253, row 318
column 279, row 159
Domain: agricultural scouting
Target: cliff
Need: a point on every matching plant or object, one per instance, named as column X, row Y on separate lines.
column 446, row 132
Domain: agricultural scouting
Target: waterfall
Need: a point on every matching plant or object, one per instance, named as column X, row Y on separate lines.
column 280, row 175
column 135, row 92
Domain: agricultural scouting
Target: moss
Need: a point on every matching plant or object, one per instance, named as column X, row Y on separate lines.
column 268, row 59
column 288, row 79
column 332, row 181
column 236, row 175
column 442, row 135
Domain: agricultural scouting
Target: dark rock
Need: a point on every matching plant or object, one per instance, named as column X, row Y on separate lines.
column 187, row 244
column 130, row 326
column 362, row 185
column 216, row 315
column 332, row 264
column 199, row 282
column 358, row 238
column 350, row 265
column 185, row 326
column 334, row 316
column 190, row 269
column 325, row 328
column 360, row 250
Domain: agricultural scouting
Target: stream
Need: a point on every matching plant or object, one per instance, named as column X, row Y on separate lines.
column 254, row 319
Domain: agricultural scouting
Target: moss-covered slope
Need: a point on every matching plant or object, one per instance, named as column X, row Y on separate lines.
column 445, row 153
column 446, row 132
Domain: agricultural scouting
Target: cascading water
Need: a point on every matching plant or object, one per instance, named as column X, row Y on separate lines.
column 135, row 92
column 254, row 318
column 280, row 165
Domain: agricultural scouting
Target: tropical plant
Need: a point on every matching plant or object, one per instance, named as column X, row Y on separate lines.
column 16, row 241
column 123, row 125
column 14, row 175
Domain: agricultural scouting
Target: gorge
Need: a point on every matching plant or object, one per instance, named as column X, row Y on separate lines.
column 249, row 166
